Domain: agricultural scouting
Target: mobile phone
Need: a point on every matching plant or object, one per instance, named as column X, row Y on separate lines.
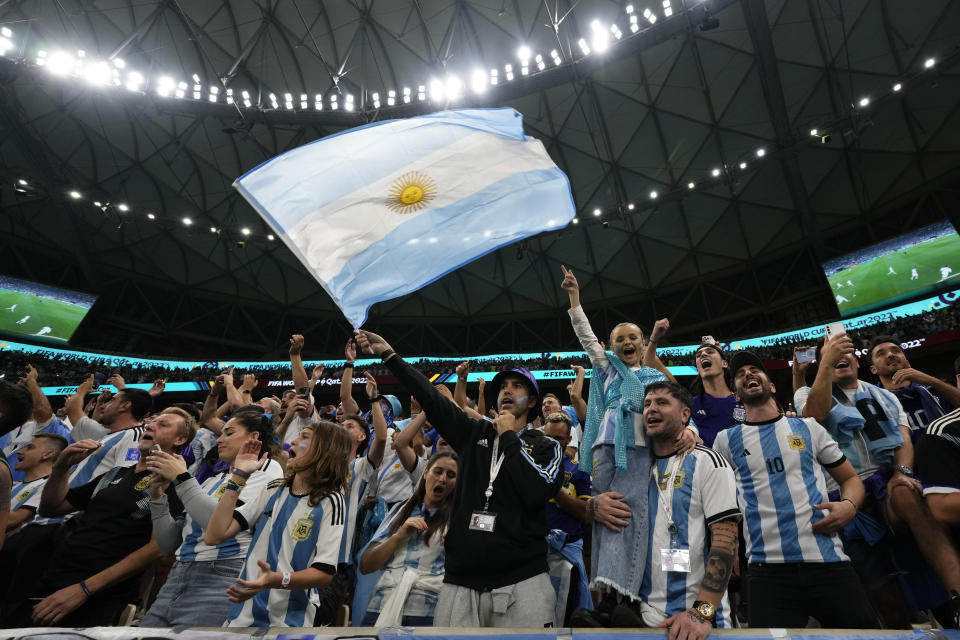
column 806, row 355
column 155, row 449
column 98, row 379
column 303, row 392
column 835, row 329
column 707, row 340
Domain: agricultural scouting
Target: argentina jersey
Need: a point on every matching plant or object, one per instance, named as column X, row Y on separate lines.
column 704, row 493
column 202, row 443
column 779, row 468
column 289, row 535
column 361, row 473
column 26, row 495
column 116, row 450
column 193, row 548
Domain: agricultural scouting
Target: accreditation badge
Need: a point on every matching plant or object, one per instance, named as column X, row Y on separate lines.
column 483, row 521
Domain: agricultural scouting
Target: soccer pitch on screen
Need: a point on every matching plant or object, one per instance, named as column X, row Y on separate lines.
column 41, row 312
column 918, row 263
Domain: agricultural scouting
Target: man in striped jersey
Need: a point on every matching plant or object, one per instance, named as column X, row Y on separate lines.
column 35, row 460
column 685, row 578
column 797, row 566
column 16, row 405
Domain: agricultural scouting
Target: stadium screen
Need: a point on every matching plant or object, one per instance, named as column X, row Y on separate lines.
column 914, row 264
column 40, row 312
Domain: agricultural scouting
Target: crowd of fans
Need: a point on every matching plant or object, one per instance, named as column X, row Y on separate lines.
column 59, row 368
column 620, row 504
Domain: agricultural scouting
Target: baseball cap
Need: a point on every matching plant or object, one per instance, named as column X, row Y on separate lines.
column 492, row 390
column 744, row 358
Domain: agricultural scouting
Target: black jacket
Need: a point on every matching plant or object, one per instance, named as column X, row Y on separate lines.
column 531, row 474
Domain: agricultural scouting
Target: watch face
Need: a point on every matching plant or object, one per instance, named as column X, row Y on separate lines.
column 707, row 610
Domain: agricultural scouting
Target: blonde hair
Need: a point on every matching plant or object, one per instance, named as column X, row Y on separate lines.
column 188, row 428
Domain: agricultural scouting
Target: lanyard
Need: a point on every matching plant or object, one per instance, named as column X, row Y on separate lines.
column 496, row 461
column 666, row 495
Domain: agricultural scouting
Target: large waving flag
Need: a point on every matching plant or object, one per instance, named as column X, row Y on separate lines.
column 379, row 211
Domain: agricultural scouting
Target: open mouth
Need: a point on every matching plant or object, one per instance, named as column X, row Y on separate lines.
column 706, row 363
column 654, row 420
column 843, row 364
column 506, row 402
column 753, row 383
column 629, row 350
column 438, row 491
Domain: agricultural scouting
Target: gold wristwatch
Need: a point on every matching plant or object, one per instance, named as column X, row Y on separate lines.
column 705, row 610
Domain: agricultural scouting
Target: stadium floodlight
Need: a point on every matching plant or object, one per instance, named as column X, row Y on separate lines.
column 123, row 207
column 273, row 100
column 270, row 236
column 814, row 132
column 349, row 102
column 119, row 63
column 864, row 101
column 601, row 41
column 494, row 77
column 406, row 95
column 245, row 231
column 897, row 87
column 653, row 195
column 597, row 211
column 541, row 65
column 630, row 206
column 929, row 62
column 421, row 93
column 576, row 221
column 634, row 26
column 151, row 216
column 97, row 203
column 5, row 43
column 715, row 173
column 650, row 16
column 304, row 101
column 196, row 78
column 318, row 102
column 691, row 185
column 288, row 101
column 181, row 89
column 197, row 88
column 214, row 93
column 478, row 81
column 97, row 73
column 165, row 86
column 5, row 32
column 523, row 54
column 508, row 72
column 454, row 87
column 743, row 165
column 23, row 183
column 187, row 221
column 628, row 8
column 761, row 152
column 76, row 195
column 246, row 98
column 615, row 30
column 556, row 57
column 376, row 100
column 134, row 81
column 391, row 97
column 436, row 90
column 60, row 63
column 333, row 102
column 584, row 47
column 229, row 96
column 667, row 9
column 41, row 58
column 213, row 229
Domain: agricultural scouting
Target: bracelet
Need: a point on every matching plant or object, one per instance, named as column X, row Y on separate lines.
column 230, row 485
column 240, row 472
column 348, row 364
column 593, row 505
column 245, row 391
column 386, row 354
column 86, row 589
column 851, row 502
column 375, row 398
column 181, row 478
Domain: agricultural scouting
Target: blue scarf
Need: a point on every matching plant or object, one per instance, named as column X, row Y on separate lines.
column 625, row 393
column 845, row 420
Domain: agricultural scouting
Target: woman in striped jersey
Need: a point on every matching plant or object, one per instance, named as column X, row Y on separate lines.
column 193, row 593
column 409, row 549
column 296, row 524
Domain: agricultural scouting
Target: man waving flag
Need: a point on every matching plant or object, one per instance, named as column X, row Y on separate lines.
column 381, row 210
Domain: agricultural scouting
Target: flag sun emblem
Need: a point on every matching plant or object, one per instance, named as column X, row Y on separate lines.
column 411, row 192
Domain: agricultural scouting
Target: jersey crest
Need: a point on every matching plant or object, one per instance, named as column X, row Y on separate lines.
column 678, row 477
column 796, row 442
column 23, row 496
column 301, row 531
column 144, row 482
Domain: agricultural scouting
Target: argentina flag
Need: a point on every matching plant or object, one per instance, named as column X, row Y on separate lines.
column 382, row 210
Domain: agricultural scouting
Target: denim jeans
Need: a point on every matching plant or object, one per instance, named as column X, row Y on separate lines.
column 619, row 559
column 195, row 594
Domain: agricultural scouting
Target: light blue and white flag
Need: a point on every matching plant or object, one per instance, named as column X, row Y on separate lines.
column 379, row 211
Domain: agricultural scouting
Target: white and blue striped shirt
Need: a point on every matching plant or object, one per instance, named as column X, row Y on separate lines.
column 26, row 495
column 780, row 476
column 118, row 449
column 361, row 473
column 289, row 535
column 704, row 493
column 193, row 548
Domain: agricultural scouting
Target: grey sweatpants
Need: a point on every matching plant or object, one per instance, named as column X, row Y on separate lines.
column 529, row 603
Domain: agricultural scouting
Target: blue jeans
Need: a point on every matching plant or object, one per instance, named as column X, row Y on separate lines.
column 195, row 594
column 619, row 559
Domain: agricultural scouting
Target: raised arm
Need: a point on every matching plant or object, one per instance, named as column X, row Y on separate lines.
column 41, row 406
column 375, row 453
column 315, row 376
column 234, row 397
column 403, row 441
column 650, row 357
column 799, row 369
column 452, row 423
column 208, row 417
column 460, row 389
column 222, row 525
column 75, row 402
column 346, row 380
column 296, row 362
column 575, row 389
column 820, row 400
column 581, row 326
column 53, row 500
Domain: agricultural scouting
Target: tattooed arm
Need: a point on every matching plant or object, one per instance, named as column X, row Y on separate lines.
column 723, row 552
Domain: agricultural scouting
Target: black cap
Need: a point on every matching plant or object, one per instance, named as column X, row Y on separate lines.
column 715, row 346
column 743, row 358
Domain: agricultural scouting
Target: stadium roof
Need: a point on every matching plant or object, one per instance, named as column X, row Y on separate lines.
column 690, row 97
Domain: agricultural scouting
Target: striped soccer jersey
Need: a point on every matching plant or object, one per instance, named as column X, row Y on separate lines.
column 118, row 449
column 779, row 468
column 937, row 454
column 193, row 548
column 394, row 483
column 289, row 535
column 202, row 443
column 26, row 495
column 704, row 492
column 361, row 472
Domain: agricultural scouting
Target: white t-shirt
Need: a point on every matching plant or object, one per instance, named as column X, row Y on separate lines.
column 779, row 468
column 289, row 535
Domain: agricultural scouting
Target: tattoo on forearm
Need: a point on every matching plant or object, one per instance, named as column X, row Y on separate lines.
column 723, row 551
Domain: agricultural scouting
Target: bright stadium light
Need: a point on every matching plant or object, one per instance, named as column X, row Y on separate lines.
column 454, row 87
column 556, row 57
column 406, row 95
column 187, row 222
column 653, row 195
column 436, row 90
column 214, row 93
column 541, row 65
column 576, row 221
column 181, row 89
column 245, row 231
column 270, row 236
column 667, row 9
column 929, row 62
column 523, row 54
column 229, row 96
column 743, row 165
column 508, row 72
column 691, row 185
column 715, row 173
column 864, row 101
column 601, row 40
column 76, row 195
column 348, row 103
column 650, row 16
column 597, row 211
column 897, row 87
column 304, row 101
column 376, row 99
column 630, row 206
column 213, row 229
column 123, row 207
column 134, row 81
column 478, row 81
column 494, row 76
column 584, row 47
column 151, row 216
column 318, row 102
column 119, row 63
column 421, row 93
column 391, row 97
column 761, row 152
column 60, row 63
column 246, row 98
